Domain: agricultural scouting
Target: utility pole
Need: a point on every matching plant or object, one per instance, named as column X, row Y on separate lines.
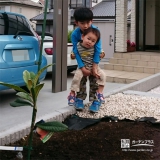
column 60, row 32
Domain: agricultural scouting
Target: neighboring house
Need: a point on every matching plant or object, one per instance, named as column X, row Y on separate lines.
column 26, row 7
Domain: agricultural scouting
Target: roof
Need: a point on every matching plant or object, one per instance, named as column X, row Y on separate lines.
column 22, row 2
column 40, row 17
column 106, row 8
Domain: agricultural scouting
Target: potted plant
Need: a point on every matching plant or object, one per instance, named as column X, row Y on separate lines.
column 131, row 46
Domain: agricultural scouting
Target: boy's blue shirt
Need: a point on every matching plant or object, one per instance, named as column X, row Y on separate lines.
column 76, row 37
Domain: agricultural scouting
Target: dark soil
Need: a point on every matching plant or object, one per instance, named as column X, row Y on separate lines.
column 98, row 142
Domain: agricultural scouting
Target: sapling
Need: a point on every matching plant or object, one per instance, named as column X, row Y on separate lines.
column 29, row 98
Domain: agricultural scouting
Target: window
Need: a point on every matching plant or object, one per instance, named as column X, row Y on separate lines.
column 79, row 3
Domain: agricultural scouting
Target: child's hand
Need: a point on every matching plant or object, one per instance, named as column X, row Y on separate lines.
column 85, row 71
column 96, row 74
column 94, row 70
column 73, row 56
column 102, row 54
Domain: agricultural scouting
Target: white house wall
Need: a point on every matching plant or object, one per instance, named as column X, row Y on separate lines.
column 107, row 29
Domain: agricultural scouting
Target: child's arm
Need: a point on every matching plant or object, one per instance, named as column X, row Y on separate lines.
column 75, row 37
column 96, row 58
column 98, row 50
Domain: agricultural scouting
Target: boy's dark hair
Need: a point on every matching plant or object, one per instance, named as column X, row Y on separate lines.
column 95, row 31
column 83, row 14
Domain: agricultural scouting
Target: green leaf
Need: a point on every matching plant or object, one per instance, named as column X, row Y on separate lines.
column 29, row 84
column 37, row 89
column 54, row 126
column 25, row 96
column 26, row 76
column 32, row 75
column 20, row 102
column 17, row 88
column 39, row 73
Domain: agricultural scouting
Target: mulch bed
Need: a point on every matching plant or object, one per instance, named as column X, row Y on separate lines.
column 101, row 141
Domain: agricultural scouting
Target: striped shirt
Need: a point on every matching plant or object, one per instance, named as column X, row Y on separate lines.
column 86, row 55
column 76, row 37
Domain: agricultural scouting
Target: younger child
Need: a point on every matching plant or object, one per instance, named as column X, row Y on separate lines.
column 86, row 50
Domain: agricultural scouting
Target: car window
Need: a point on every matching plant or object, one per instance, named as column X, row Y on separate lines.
column 10, row 24
column 1, row 24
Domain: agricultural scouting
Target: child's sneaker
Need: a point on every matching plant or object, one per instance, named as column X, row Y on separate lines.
column 79, row 104
column 95, row 106
column 101, row 98
column 71, row 100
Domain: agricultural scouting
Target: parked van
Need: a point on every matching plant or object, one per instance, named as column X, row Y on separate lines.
column 19, row 49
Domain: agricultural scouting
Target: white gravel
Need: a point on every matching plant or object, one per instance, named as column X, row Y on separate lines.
column 155, row 90
column 127, row 106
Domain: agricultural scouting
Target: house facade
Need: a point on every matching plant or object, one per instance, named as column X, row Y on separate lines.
column 145, row 25
column 28, row 8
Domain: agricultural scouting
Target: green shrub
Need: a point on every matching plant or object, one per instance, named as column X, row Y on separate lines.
column 69, row 36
